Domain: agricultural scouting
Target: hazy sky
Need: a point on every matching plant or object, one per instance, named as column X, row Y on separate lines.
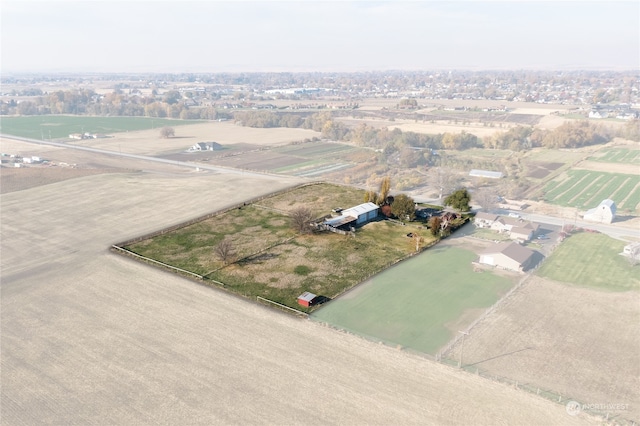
column 305, row 35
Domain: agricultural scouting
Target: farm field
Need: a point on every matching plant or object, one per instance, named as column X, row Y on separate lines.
column 591, row 260
column 307, row 159
column 618, row 155
column 61, row 126
column 272, row 261
column 585, row 189
column 227, row 134
column 561, row 340
column 420, row 303
column 114, row 341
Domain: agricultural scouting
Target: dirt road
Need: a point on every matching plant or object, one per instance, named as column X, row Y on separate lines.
column 89, row 337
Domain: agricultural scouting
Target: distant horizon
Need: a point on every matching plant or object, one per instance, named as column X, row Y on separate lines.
column 142, row 37
column 313, row 71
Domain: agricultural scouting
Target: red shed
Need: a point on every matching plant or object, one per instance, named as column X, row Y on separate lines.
column 306, row 299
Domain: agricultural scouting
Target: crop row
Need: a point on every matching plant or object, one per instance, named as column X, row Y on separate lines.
column 585, row 189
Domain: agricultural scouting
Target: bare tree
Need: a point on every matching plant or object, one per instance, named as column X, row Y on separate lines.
column 445, row 180
column 167, row 132
column 225, row 251
column 301, row 218
column 486, row 197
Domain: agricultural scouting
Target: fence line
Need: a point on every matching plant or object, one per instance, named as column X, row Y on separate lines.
column 283, row 306
column 490, row 310
column 156, row 262
column 612, row 418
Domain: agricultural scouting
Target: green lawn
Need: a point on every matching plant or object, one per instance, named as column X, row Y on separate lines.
column 61, row 126
column 419, row 303
column 591, row 260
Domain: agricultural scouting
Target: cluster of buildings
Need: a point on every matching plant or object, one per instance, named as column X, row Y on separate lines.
column 19, row 161
column 517, row 229
column 86, row 135
column 509, row 255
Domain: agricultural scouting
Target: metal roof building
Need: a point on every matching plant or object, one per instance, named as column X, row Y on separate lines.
column 486, row 174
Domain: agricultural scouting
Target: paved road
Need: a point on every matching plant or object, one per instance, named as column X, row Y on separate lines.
column 613, row 230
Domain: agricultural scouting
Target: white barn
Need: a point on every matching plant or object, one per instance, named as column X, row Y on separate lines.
column 604, row 213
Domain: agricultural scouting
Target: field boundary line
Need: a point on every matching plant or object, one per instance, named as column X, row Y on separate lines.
column 443, row 352
column 156, row 262
column 282, row 306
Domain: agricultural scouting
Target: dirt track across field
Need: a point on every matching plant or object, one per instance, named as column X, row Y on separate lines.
column 89, row 337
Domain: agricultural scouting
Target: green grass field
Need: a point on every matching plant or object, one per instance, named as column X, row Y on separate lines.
column 591, row 260
column 585, row 189
column 418, row 304
column 618, row 155
column 61, row 126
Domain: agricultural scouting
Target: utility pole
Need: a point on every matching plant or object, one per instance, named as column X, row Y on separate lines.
column 464, row 333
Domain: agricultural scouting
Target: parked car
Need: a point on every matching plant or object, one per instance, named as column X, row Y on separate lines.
column 516, row 215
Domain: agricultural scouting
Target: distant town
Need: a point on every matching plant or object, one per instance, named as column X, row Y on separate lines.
column 595, row 94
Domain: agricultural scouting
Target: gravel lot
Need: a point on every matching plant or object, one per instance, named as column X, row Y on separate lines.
column 89, row 337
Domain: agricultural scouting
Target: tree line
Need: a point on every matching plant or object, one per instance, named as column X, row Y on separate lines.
column 117, row 103
column 520, row 138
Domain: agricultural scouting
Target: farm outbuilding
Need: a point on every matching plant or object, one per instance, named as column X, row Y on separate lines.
column 485, row 174
column 306, row 299
column 363, row 212
column 604, row 213
column 509, row 255
column 206, row 146
column 354, row 216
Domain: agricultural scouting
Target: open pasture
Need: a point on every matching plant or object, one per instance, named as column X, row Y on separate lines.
column 591, row 260
column 420, row 303
column 585, row 189
column 61, row 126
column 565, row 340
column 271, row 260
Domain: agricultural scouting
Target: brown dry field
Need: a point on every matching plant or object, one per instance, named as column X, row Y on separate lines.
column 476, row 129
column 631, row 169
column 89, row 337
column 581, row 343
column 149, row 142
